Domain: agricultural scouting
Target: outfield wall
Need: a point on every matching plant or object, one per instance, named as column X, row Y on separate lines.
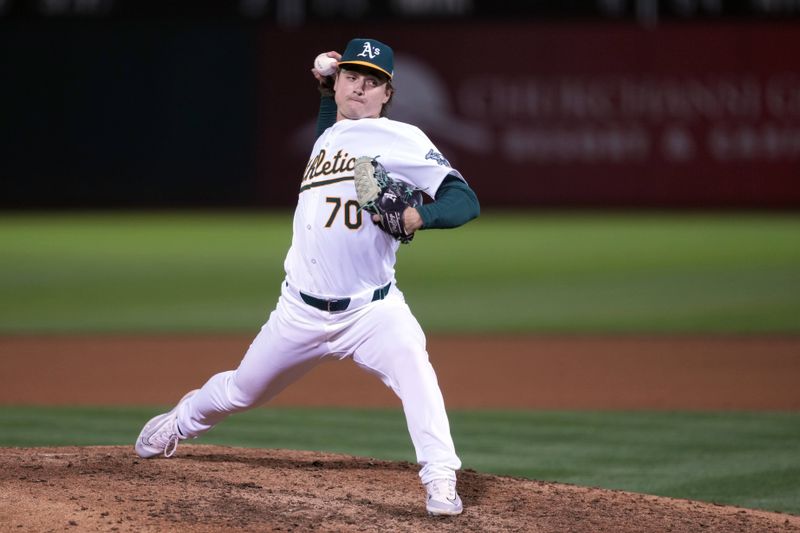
column 162, row 113
column 578, row 114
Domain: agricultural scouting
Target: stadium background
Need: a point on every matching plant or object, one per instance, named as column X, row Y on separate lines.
column 112, row 103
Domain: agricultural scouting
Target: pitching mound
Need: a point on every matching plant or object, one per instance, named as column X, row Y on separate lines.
column 211, row 488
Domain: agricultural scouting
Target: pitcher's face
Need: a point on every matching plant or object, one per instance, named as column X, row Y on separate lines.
column 359, row 95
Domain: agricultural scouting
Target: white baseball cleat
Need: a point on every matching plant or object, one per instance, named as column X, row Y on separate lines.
column 443, row 500
column 160, row 436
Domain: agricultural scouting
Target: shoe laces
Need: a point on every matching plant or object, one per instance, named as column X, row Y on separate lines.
column 172, row 445
column 167, row 437
column 442, row 489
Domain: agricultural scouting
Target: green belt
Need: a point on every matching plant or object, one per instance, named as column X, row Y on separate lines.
column 341, row 304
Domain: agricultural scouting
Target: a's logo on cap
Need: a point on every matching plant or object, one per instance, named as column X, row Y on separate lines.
column 369, row 51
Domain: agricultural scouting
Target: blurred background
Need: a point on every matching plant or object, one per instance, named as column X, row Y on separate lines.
column 549, row 103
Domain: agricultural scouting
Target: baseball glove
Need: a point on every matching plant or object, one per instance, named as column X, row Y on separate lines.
column 384, row 196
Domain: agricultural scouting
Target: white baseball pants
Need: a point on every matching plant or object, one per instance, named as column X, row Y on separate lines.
column 382, row 337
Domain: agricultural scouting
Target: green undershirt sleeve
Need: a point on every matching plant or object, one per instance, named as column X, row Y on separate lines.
column 455, row 204
column 327, row 114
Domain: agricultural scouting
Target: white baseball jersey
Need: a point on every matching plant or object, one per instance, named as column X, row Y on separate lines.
column 337, row 250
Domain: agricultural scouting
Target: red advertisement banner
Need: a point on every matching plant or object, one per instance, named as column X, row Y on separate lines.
column 700, row 115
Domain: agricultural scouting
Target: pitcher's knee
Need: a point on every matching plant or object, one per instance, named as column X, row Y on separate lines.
column 413, row 365
column 238, row 399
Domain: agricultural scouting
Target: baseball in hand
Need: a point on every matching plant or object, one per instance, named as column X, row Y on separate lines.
column 325, row 65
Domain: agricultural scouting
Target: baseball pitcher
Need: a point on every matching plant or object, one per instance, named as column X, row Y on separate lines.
column 360, row 198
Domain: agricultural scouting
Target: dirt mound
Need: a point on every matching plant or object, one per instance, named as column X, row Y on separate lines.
column 212, row 488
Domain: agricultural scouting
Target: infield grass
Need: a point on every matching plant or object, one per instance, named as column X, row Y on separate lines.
column 505, row 272
column 747, row 459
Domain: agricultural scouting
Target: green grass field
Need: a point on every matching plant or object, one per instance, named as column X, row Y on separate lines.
column 505, row 272
column 566, row 273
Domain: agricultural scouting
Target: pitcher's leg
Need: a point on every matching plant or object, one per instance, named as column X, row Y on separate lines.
column 394, row 349
column 273, row 361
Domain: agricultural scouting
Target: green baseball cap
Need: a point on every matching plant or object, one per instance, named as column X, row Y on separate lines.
column 369, row 53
